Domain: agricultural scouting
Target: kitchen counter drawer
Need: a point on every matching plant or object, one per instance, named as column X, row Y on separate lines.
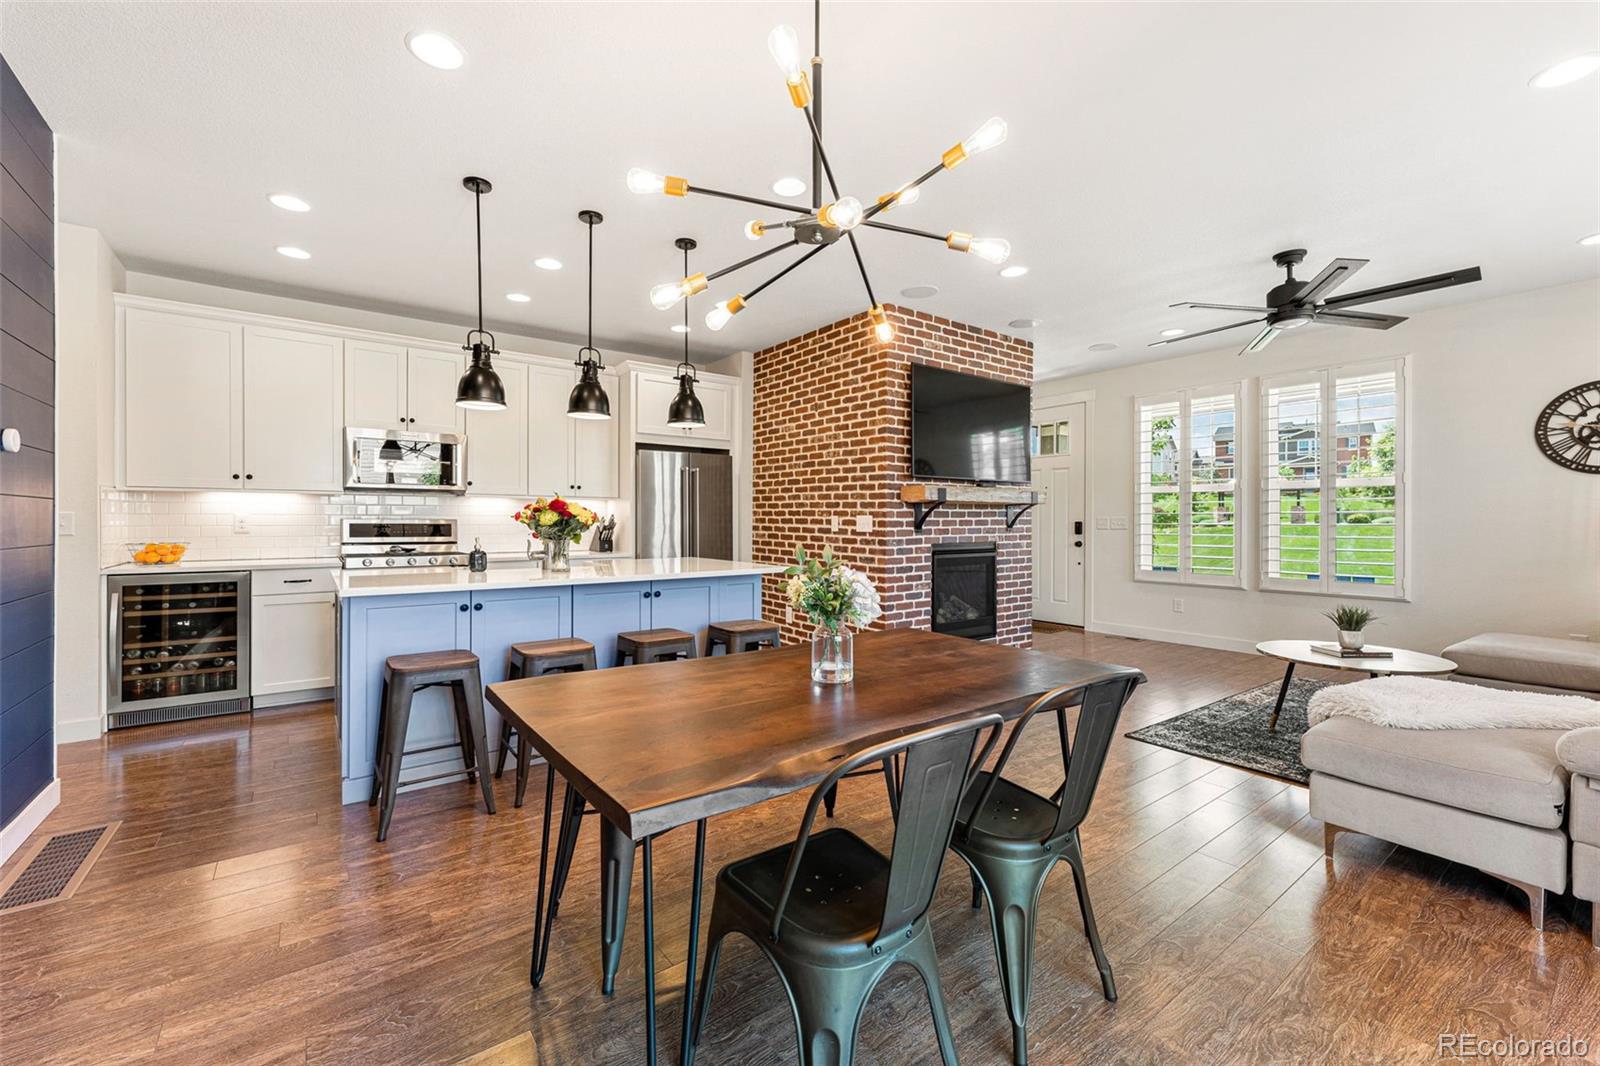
column 282, row 582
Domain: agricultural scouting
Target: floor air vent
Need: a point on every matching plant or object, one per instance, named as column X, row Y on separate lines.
column 156, row 715
column 54, row 869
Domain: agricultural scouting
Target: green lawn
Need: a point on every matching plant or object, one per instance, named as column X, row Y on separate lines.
column 1364, row 545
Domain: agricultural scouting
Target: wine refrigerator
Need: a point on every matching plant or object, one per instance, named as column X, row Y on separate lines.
column 179, row 647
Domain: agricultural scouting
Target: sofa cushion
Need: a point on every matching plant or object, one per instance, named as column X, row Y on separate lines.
column 1583, row 817
column 1570, row 665
column 1505, row 773
column 1579, row 751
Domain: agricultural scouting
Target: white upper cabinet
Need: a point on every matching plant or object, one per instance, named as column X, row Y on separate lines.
column 431, row 379
column 653, row 394
column 497, row 448
column 594, row 444
column 374, row 385
column 182, row 401
column 293, row 410
column 550, row 432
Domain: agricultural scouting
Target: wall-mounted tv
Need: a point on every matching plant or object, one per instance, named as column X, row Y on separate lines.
column 968, row 428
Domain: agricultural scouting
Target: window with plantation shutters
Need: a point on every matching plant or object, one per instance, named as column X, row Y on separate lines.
column 1187, row 494
column 1333, row 481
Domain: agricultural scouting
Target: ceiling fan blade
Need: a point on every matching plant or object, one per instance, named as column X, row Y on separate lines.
column 1333, row 275
column 1359, row 318
column 1223, row 307
column 1202, row 333
column 1407, row 288
column 1263, row 339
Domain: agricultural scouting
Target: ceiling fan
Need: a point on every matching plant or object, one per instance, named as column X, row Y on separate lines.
column 1293, row 303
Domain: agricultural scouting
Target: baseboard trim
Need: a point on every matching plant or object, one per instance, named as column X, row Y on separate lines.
column 20, row 828
column 285, row 699
column 1173, row 636
column 80, row 729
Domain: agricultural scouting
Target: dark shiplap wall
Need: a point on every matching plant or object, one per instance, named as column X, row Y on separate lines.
column 27, row 478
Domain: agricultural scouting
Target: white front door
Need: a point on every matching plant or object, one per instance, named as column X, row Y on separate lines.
column 1060, row 526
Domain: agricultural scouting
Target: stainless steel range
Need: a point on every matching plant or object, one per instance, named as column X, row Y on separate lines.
column 371, row 543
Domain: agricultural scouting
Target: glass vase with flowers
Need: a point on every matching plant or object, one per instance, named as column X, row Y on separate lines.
column 554, row 525
column 834, row 597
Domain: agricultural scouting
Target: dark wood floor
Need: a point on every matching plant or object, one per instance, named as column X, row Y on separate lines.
column 242, row 915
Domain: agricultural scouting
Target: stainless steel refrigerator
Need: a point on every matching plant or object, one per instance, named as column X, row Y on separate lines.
column 683, row 503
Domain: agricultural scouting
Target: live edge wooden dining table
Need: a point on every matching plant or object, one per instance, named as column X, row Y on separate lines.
column 662, row 745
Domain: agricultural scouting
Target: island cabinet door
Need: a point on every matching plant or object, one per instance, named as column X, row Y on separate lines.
column 738, row 598
column 376, row 627
column 600, row 612
column 689, row 605
column 503, row 617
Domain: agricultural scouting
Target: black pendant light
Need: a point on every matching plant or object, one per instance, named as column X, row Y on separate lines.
column 589, row 399
column 686, row 411
column 480, row 388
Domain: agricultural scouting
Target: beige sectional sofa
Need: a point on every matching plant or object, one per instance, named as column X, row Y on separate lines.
column 1520, row 804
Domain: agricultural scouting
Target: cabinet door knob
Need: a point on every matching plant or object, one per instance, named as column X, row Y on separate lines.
column 249, row 477
column 657, row 594
column 647, row 594
column 477, row 607
column 236, row 477
column 463, row 608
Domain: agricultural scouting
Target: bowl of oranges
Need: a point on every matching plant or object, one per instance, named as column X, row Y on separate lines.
column 157, row 554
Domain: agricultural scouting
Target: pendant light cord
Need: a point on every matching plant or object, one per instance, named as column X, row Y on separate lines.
column 686, row 310
column 591, row 285
column 477, row 212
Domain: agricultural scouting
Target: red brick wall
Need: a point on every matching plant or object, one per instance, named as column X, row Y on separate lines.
column 832, row 432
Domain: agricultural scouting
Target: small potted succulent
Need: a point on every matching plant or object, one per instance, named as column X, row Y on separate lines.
column 1350, row 621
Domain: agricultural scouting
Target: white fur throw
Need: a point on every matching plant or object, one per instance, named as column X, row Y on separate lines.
column 1430, row 703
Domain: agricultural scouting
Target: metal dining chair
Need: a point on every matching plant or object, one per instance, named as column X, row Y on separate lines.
column 832, row 913
column 1012, row 837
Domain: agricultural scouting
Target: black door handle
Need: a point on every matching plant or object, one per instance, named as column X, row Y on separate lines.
column 236, row 477
column 1077, row 544
column 249, row 477
column 477, row 607
column 647, row 594
column 658, row 594
column 1077, row 528
column 463, row 608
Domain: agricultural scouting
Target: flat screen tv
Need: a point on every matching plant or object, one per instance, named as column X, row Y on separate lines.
column 968, row 428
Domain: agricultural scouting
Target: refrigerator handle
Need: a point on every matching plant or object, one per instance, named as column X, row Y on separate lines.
column 694, row 511
column 113, row 652
column 683, row 511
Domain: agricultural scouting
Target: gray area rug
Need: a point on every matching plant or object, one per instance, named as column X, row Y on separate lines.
column 1234, row 730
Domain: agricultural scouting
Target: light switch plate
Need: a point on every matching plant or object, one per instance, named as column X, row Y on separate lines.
column 863, row 523
column 834, row 521
column 241, row 523
column 66, row 524
column 1102, row 522
column 1119, row 522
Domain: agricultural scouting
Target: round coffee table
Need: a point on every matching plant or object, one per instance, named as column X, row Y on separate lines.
column 1399, row 661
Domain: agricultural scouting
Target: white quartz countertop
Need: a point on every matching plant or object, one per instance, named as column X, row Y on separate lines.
column 527, row 575
column 192, row 566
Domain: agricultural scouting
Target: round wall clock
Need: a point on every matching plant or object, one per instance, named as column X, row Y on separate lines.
column 1568, row 429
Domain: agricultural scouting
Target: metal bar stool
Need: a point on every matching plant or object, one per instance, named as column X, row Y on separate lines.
column 654, row 645
column 403, row 677
column 748, row 634
column 531, row 659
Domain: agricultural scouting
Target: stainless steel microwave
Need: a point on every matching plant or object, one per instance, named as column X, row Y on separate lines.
column 382, row 459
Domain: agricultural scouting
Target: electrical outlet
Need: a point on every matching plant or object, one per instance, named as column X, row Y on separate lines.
column 863, row 523
column 835, row 523
column 1177, row 605
column 788, row 614
column 241, row 523
column 1119, row 522
column 1102, row 522
column 66, row 524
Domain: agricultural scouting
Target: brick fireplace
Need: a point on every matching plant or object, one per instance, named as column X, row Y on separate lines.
column 832, row 439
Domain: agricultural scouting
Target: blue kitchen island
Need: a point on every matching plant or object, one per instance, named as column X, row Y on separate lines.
column 399, row 612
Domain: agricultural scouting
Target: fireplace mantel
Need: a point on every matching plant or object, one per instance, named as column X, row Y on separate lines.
column 926, row 498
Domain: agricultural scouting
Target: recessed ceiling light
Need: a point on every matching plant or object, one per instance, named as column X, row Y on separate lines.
column 544, row 262
column 1591, row 240
column 920, row 292
column 1567, row 71
column 1015, row 271
column 1103, row 346
column 436, row 50
column 679, row 327
column 288, row 202
column 293, row 252
column 1175, row 331
column 1023, row 323
column 518, row 297
column 788, row 186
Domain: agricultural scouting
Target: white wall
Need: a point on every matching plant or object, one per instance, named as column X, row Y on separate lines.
column 87, row 273
column 1501, row 538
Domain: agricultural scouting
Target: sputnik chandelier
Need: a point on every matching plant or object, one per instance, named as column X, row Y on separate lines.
column 822, row 225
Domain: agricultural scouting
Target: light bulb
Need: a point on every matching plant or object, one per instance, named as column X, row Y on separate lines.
column 992, row 249
column 844, row 213
column 667, row 294
column 880, row 325
column 784, row 44
column 754, row 230
column 905, row 197
column 645, row 182
column 988, row 135
column 723, row 313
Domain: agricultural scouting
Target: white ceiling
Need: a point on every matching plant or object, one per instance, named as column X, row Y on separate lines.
column 1158, row 152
